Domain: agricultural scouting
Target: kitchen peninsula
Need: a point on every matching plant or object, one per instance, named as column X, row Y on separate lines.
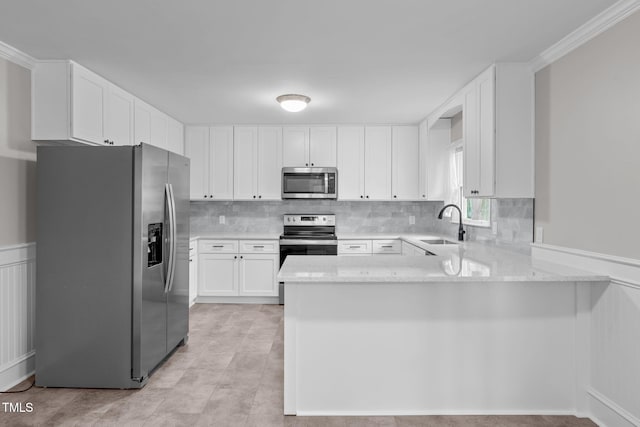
column 475, row 329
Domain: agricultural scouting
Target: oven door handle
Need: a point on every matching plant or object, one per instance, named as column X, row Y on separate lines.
column 300, row 242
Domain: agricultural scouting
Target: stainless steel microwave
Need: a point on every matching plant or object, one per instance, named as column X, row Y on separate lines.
column 309, row 183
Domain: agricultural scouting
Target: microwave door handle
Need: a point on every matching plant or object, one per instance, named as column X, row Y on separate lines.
column 326, row 183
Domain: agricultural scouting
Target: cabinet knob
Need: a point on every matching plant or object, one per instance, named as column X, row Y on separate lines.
column 367, row 197
column 106, row 141
column 395, row 197
column 235, row 257
column 241, row 257
column 362, row 197
column 423, row 196
column 306, row 164
column 254, row 197
column 211, row 196
column 205, row 196
column 311, row 164
column 259, row 197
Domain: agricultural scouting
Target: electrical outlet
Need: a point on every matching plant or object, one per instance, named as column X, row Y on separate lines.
column 222, row 219
column 412, row 219
column 539, row 234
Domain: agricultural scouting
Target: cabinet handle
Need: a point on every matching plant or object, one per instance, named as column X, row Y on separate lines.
column 217, row 246
column 258, row 246
column 386, row 246
column 355, row 247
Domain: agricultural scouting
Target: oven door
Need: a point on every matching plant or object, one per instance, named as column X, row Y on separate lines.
column 304, row 247
column 309, row 183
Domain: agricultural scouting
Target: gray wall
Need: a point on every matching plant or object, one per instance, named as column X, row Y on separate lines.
column 588, row 145
column 513, row 218
column 17, row 156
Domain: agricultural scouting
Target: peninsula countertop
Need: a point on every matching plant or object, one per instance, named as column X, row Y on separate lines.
column 464, row 262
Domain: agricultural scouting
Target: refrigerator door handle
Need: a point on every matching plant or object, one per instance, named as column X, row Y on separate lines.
column 173, row 236
column 171, row 258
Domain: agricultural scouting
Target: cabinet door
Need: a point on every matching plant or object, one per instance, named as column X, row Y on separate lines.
column 197, row 149
column 322, row 146
column 295, row 147
column 119, row 117
column 423, row 137
column 486, row 131
column 270, row 163
column 159, row 129
column 471, row 153
column 88, row 99
column 175, row 139
column 217, row 275
column 221, row 162
column 350, row 162
column 258, row 274
column 245, row 163
column 377, row 163
column 193, row 272
column 141, row 123
column 405, row 160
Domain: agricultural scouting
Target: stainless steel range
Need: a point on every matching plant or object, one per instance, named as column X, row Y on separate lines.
column 307, row 234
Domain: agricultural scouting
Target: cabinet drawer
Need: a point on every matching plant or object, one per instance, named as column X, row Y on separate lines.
column 218, row 246
column 393, row 247
column 259, row 246
column 354, row 247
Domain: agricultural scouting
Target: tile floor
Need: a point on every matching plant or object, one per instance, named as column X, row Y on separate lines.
column 229, row 374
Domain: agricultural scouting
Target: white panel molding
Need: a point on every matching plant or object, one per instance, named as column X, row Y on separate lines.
column 17, row 314
column 622, row 271
column 16, row 56
column 595, row 26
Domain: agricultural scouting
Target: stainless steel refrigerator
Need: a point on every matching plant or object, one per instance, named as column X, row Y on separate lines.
column 112, row 263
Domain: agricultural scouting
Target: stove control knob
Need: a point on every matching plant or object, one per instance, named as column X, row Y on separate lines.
column 324, row 218
column 288, row 219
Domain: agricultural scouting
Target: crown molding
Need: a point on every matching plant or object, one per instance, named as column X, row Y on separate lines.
column 16, row 56
column 590, row 29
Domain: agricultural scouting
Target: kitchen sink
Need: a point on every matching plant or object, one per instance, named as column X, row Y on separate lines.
column 438, row 242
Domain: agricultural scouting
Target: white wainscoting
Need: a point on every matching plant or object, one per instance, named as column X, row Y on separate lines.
column 614, row 383
column 17, row 313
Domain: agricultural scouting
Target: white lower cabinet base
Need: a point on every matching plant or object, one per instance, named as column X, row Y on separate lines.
column 433, row 348
column 237, row 300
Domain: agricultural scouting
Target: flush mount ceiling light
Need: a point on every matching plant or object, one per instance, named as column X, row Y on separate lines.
column 293, row 103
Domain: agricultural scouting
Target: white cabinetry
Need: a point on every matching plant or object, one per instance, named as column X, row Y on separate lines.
column 175, row 137
column 238, row 268
column 412, row 250
column 257, row 163
column 405, row 162
column 377, row 163
column 72, row 104
column 498, row 133
column 211, row 154
column 435, row 146
column 351, row 162
column 309, row 147
column 369, row 247
column 193, row 271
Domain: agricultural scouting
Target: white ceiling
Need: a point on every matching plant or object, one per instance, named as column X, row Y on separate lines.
column 360, row 61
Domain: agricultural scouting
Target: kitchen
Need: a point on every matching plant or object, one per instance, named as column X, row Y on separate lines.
column 575, row 134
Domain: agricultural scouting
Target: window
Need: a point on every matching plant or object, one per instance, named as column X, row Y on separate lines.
column 475, row 211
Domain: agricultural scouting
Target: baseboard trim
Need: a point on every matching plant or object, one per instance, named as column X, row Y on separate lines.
column 237, row 300
column 431, row 412
column 18, row 371
column 622, row 271
column 605, row 412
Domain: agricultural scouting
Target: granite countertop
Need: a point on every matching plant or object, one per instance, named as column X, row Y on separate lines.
column 469, row 261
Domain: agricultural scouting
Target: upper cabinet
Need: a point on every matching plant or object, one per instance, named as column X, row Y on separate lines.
column 351, row 163
column 377, row 162
column 71, row 103
column 435, row 142
column 211, row 154
column 309, row 147
column 497, row 115
column 498, row 133
column 405, row 163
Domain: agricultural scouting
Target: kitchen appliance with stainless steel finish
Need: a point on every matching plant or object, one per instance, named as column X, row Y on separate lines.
column 307, row 234
column 309, row 183
column 112, row 277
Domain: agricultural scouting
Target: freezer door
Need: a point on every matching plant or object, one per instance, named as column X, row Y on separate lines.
column 178, row 293
column 151, row 235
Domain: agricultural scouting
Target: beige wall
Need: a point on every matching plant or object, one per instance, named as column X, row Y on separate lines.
column 456, row 127
column 17, row 157
column 588, row 145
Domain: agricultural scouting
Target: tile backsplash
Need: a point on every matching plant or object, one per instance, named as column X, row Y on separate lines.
column 513, row 218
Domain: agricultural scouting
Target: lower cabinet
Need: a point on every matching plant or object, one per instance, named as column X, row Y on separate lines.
column 229, row 268
column 369, row 247
column 193, row 271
